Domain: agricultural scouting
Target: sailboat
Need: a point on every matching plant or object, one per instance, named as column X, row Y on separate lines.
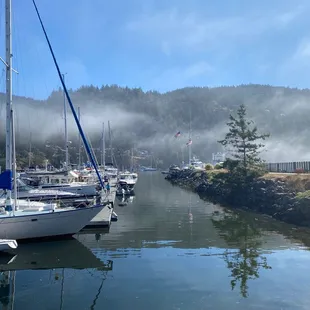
column 34, row 223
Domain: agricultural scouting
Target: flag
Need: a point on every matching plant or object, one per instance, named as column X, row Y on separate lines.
column 177, row 134
column 189, row 142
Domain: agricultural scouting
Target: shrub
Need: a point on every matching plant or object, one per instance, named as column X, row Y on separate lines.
column 209, row 167
column 302, row 195
column 299, row 170
column 219, row 166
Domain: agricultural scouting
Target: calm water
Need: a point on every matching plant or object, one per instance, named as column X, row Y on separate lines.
column 169, row 250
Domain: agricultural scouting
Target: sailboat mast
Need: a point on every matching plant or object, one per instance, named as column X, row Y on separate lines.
column 103, row 147
column 8, row 59
column 110, row 140
column 132, row 161
column 66, row 129
column 30, row 151
column 14, row 162
column 79, row 154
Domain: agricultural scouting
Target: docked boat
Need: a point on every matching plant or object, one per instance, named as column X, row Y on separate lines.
column 111, row 172
column 21, row 204
column 28, row 192
column 67, row 182
column 197, row 164
column 126, row 183
column 33, row 223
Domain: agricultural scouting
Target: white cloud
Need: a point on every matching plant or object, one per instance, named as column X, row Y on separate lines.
column 197, row 69
column 298, row 62
column 76, row 70
column 303, row 50
column 177, row 77
column 173, row 30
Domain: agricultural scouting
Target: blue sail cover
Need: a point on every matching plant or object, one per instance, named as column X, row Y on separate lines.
column 6, row 180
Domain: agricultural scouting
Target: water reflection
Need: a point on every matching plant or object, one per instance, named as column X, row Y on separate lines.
column 124, row 200
column 52, row 259
column 163, row 246
column 247, row 261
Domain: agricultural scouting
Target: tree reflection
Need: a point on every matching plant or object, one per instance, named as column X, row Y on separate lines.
column 245, row 236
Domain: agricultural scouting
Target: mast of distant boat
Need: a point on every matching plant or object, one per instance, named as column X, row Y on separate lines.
column 66, row 129
column 103, row 148
column 131, row 161
column 30, row 150
column 110, row 140
column 14, row 162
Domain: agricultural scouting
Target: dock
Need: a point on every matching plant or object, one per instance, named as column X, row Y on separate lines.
column 104, row 217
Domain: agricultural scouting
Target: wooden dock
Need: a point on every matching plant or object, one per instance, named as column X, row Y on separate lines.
column 103, row 218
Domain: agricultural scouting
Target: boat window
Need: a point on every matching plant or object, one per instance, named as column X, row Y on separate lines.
column 22, row 187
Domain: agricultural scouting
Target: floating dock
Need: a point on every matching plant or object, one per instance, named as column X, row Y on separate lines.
column 104, row 217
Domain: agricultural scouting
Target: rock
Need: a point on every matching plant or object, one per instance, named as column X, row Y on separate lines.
column 271, row 197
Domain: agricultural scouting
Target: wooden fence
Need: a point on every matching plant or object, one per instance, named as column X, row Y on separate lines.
column 289, row 167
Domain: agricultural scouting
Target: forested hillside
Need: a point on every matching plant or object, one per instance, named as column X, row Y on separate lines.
column 149, row 120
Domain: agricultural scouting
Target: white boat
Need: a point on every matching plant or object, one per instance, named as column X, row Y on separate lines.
column 32, row 223
column 8, row 244
column 111, row 172
column 126, row 183
column 197, row 164
column 25, row 191
column 128, row 178
column 22, row 204
column 60, row 181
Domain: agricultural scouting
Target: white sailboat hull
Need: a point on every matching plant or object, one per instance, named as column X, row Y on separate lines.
column 31, row 225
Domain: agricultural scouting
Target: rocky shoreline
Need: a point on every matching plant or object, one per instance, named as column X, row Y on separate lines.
column 272, row 197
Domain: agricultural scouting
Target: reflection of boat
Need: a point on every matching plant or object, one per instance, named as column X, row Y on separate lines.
column 148, row 169
column 125, row 200
column 54, row 254
column 6, row 244
column 124, row 190
column 65, row 254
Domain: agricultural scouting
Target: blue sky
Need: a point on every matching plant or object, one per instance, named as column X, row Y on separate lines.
column 160, row 44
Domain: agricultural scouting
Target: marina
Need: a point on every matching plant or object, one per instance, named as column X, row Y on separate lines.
column 127, row 182
column 162, row 232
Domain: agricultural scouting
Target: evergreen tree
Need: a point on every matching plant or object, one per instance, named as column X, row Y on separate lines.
column 244, row 140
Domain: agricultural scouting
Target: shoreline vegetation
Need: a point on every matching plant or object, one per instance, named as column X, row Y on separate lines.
column 242, row 182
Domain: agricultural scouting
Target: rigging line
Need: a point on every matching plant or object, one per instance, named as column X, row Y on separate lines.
column 69, row 99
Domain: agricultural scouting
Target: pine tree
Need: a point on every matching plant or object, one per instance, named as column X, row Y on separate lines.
column 244, row 140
